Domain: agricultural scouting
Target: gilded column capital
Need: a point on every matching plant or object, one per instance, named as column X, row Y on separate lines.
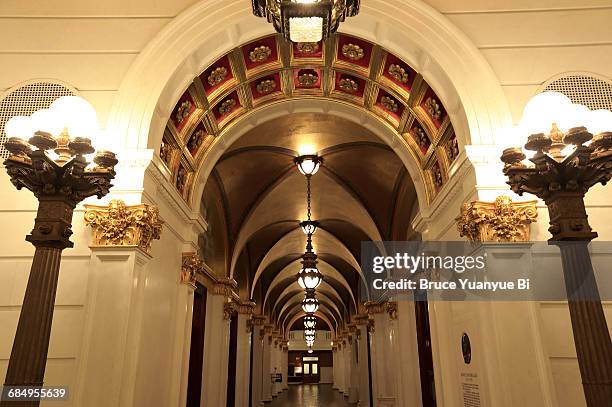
column 192, row 264
column 498, row 221
column 246, row 307
column 230, row 308
column 361, row 319
column 225, row 286
column 391, row 309
column 121, row 225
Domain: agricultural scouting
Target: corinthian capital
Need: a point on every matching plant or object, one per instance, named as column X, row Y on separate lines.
column 192, row 264
column 499, row 221
column 120, row 225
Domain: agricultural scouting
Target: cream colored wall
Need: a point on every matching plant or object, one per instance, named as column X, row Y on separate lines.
column 91, row 45
column 88, row 44
column 527, row 42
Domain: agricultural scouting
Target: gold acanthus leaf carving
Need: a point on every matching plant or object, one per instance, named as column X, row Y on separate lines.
column 260, row 53
column 226, row 106
column 308, row 79
column 120, row 225
column 389, row 103
column 217, row 76
column 353, row 52
column 308, row 47
column 192, row 264
column 266, row 86
column 499, row 221
column 348, row 85
column 398, row 73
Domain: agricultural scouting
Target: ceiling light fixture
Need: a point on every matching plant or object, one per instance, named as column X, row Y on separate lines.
column 305, row 20
column 310, row 304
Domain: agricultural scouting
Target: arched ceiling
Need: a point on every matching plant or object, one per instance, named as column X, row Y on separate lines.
column 362, row 192
column 343, row 68
column 256, row 195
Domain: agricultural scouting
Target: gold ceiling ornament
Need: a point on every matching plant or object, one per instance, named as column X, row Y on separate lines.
column 260, row 53
column 398, row 73
column 226, row 106
column 389, row 103
column 183, row 111
column 308, row 47
column 421, row 138
column 433, row 108
column 217, row 76
column 499, row 221
column 196, row 139
column 120, row 225
column 352, row 51
column 308, row 79
column 438, row 180
column 192, row 264
column 165, row 152
column 266, row 86
column 348, row 85
column 452, row 149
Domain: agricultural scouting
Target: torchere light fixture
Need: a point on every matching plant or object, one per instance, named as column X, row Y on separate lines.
column 573, row 152
column 305, row 20
column 49, row 153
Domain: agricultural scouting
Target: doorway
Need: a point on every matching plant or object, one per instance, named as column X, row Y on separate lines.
column 310, row 369
column 196, row 352
column 231, row 366
column 428, row 389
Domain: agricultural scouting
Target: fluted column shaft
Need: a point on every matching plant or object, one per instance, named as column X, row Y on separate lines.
column 591, row 335
column 29, row 358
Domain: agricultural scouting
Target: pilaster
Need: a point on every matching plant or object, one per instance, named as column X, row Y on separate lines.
column 122, row 237
column 243, row 353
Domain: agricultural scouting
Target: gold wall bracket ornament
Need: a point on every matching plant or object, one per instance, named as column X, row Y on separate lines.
column 120, row 225
column 498, row 221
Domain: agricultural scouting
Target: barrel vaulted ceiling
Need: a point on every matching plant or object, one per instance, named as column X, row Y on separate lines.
column 343, row 68
column 255, row 198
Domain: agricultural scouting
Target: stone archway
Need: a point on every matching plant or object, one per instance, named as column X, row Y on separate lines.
column 412, row 30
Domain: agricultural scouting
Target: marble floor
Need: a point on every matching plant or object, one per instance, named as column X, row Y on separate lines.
column 310, row 395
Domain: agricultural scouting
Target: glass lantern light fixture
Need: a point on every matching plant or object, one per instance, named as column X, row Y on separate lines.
column 309, row 332
column 310, row 322
column 309, row 276
column 309, row 227
column 305, row 20
column 308, row 164
column 310, row 304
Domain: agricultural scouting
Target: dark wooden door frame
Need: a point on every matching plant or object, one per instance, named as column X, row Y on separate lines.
column 428, row 393
column 231, row 363
column 196, row 351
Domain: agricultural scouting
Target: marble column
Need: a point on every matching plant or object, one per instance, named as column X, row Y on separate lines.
column 258, row 322
column 116, row 286
column 408, row 379
column 335, row 366
column 363, row 379
column 216, row 344
column 353, row 366
column 346, row 349
column 266, row 384
column 243, row 353
column 383, row 348
column 285, row 364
